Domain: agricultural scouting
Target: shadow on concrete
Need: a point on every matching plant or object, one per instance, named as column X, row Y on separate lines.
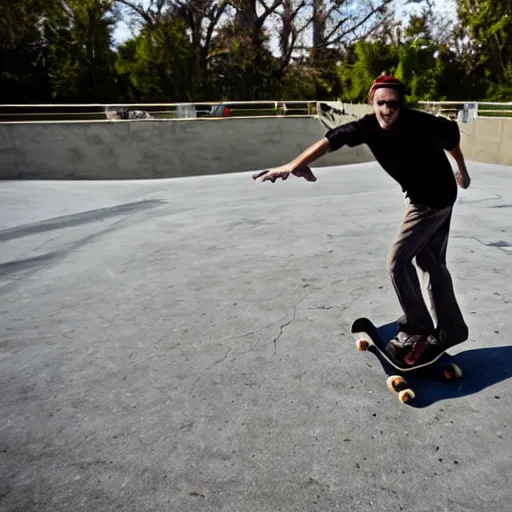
column 481, row 367
column 78, row 219
column 28, row 264
column 20, row 269
column 499, row 243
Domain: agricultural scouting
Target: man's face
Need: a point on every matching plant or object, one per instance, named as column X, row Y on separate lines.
column 386, row 105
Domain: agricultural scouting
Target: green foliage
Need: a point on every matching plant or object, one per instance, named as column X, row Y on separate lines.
column 366, row 61
column 432, row 69
column 23, row 74
column 57, row 51
column 81, row 62
column 489, row 24
column 298, row 83
column 159, row 65
column 241, row 66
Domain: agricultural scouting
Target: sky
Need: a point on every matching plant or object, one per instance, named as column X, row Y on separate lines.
column 447, row 7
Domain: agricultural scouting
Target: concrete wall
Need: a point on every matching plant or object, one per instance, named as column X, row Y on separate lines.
column 487, row 139
column 171, row 148
column 159, row 148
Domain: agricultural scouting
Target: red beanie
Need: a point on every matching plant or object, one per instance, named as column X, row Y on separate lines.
column 387, row 81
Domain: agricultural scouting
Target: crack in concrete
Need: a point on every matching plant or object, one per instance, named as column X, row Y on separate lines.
column 274, row 341
column 286, row 324
column 219, row 361
column 239, row 336
column 194, row 385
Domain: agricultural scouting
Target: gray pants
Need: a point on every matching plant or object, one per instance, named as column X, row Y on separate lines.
column 423, row 236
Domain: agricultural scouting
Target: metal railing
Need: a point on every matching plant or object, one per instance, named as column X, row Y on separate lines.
column 460, row 110
column 163, row 111
column 463, row 109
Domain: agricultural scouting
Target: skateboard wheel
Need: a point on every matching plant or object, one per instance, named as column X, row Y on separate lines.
column 395, row 382
column 362, row 345
column 452, row 371
column 406, row 395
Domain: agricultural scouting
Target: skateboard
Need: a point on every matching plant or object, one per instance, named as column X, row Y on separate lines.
column 374, row 339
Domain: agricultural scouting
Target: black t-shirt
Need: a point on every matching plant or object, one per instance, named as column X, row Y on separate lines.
column 411, row 152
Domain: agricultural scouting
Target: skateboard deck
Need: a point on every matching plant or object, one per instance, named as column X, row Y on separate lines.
column 374, row 339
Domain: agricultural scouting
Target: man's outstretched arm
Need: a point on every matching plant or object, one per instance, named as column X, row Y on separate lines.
column 462, row 176
column 298, row 166
column 351, row 134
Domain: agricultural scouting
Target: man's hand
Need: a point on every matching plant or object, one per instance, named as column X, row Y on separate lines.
column 463, row 179
column 284, row 172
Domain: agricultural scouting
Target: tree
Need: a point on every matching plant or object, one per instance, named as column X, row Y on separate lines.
column 159, row 64
column 242, row 64
column 489, row 25
column 161, row 21
column 80, row 58
column 289, row 30
column 339, row 23
column 365, row 61
column 23, row 75
column 247, row 45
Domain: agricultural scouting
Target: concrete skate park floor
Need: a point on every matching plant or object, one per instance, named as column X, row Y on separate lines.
column 184, row 345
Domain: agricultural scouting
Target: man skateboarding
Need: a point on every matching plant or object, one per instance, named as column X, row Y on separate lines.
column 410, row 146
